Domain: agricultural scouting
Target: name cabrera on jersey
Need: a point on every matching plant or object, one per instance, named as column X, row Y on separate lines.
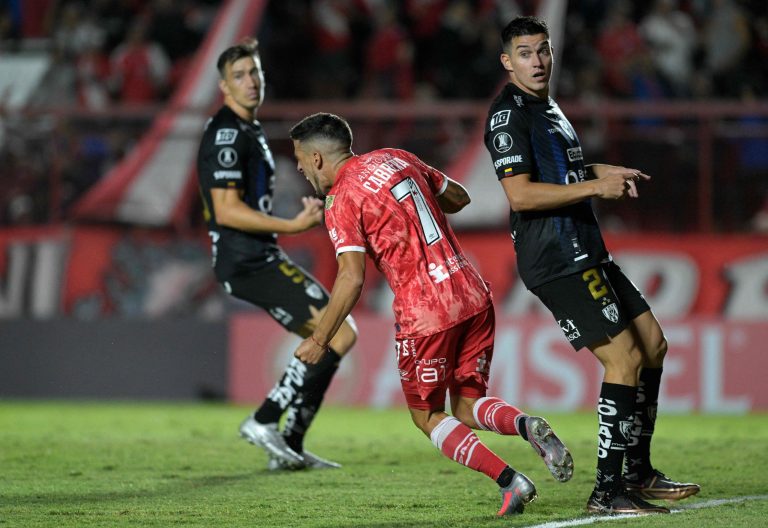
column 525, row 134
column 234, row 154
column 383, row 203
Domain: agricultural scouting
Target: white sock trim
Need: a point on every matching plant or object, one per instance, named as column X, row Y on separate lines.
column 475, row 409
column 442, row 430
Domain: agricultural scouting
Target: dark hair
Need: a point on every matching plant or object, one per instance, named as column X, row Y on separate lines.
column 247, row 48
column 522, row 26
column 323, row 126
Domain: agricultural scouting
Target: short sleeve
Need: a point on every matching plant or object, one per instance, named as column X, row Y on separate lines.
column 508, row 140
column 224, row 158
column 343, row 218
column 436, row 179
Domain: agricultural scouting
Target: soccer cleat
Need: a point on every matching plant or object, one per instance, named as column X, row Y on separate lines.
column 311, row 461
column 269, row 438
column 615, row 502
column 514, row 497
column 549, row 447
column 657, row 486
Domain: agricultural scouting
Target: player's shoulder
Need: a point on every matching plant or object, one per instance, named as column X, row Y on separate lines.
column 223, row 128
column 510, row 103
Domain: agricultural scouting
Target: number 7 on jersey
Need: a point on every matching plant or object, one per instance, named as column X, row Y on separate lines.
column 408, row 187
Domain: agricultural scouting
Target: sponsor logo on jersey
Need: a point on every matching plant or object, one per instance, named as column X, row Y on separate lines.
column 382, row 173
column 227, row 157
column 569, row 329
column 574, row 154
column 507, row 160
column 226, row 136
column 437, row 272
column 333, row 234
column 611, row 312
column 500, row 119
column 502, row 142
column 329, row 200
column 227, row 175
column 518, row 100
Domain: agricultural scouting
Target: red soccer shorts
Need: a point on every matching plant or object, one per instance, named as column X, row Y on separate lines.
column 457, row 359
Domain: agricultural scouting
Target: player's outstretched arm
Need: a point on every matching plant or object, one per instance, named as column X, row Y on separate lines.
column 231, row 211
column 454, row 198
column 344, row 295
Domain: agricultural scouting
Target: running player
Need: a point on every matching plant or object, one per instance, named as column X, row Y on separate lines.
column 390, row 205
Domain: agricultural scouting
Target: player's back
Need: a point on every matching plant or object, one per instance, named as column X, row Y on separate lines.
column 386, row 202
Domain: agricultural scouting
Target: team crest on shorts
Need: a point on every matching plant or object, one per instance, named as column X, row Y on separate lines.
column 611, row 312
column 329, row 200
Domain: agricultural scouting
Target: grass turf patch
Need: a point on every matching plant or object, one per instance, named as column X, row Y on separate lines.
column 153, row 464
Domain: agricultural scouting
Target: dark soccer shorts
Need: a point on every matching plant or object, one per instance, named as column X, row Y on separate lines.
column 457, row 359
column 593, row 305
column 284, row 289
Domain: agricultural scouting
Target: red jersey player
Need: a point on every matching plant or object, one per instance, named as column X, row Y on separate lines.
column 390, row 205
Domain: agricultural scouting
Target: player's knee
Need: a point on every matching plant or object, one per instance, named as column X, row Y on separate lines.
column 421, row 420
column 657, row 353
column 345, row 338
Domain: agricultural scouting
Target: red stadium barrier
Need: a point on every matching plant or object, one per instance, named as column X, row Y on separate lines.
column 712, row 366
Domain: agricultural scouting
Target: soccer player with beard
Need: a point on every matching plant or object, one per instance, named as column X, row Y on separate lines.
column 390, row 205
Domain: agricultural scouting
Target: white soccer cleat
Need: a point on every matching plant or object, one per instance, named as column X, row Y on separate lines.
column 311, row 461
column 269, row 438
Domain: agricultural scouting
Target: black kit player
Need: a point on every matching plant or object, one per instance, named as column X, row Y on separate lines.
column 236, row 175
column 562, row 259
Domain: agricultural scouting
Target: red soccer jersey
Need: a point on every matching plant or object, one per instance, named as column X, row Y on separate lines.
column 383, row 203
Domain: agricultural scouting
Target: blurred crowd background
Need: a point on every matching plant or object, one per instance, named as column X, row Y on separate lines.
column 110, row 65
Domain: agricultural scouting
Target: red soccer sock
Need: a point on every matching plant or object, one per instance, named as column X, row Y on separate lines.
column 459, row 443
column 494, row 414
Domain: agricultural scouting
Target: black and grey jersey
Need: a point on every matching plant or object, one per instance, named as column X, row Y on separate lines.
column 526, row 134
column 234, row 154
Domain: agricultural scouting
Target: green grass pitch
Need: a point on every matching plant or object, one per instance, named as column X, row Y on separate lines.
column 82, row 464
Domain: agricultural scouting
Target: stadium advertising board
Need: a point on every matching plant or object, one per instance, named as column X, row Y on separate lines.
column 711, row 293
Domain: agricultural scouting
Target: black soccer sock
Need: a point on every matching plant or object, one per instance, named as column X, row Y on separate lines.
column 505, row 479
column 283, row 393
column 520, row 426
column 302, row 410
column 638, row 461
column 615, row 417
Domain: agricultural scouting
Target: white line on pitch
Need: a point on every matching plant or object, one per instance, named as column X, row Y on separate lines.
column 691, row 506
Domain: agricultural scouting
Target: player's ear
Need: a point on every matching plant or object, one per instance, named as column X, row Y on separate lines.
column 223, row 87
column 317, row 158
column 506, row 62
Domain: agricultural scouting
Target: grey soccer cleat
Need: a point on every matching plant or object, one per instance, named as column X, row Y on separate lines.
column 514, row 497
column 269, row 438
column 311, row 461
column 550, row 448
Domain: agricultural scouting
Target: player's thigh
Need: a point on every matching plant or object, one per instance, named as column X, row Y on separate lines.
column 285, row 290
column 586, row 307
column 474, row 354
column 425, row 365
column 643, row 322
